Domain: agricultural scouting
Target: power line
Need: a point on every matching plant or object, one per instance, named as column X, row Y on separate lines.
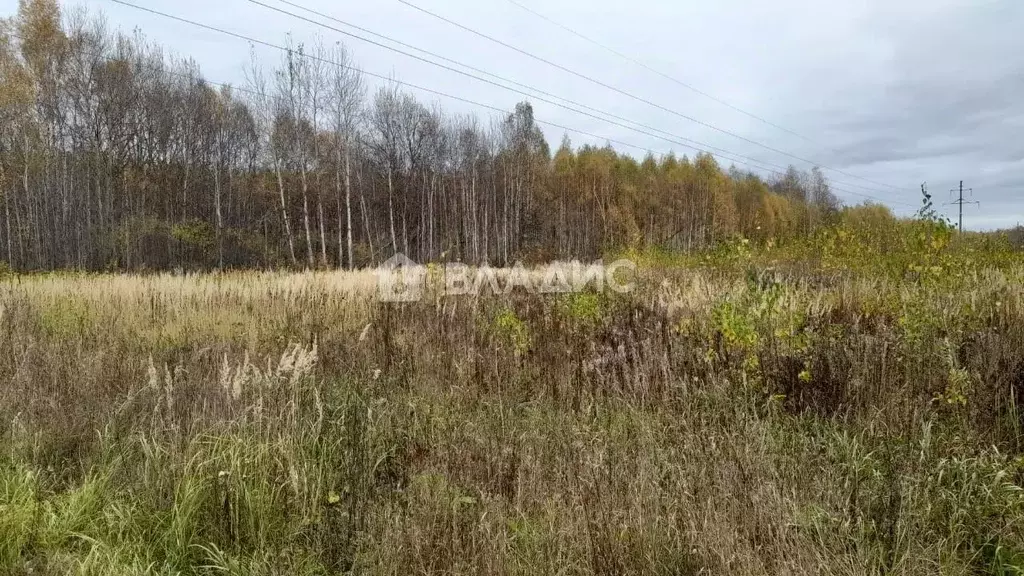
column 429, row 90
column 961, row 202
column 284, row 48
column 633, row 96
column 696, row 145
column 378, row 76
column 659, row 72
column 414, row 86
column 674, row 139
column 699, row 144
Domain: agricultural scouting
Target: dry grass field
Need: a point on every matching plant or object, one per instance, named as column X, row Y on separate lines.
column 795, row 385
column 726, row 417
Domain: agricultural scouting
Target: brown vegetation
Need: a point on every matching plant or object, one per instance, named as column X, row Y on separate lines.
column 726, row 417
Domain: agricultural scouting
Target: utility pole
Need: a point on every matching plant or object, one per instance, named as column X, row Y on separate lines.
column 961, row 202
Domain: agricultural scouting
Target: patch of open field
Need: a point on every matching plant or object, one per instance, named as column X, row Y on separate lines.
column 731, row 417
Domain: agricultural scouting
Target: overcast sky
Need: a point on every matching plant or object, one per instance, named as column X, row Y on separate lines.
column 898, row 92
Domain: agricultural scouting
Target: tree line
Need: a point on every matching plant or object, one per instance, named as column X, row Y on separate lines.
column 116, row 155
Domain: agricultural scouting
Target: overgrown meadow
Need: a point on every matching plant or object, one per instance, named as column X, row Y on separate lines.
column 845, row 404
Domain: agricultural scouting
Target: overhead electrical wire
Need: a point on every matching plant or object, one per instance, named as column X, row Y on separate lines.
column 674, row 138
column 671, row 138
column 653, row 70
column 681, row 141
column 361, row 71
column 257, row 41
column 635, row 97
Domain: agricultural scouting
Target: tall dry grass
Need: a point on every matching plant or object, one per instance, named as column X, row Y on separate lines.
column 714, row 421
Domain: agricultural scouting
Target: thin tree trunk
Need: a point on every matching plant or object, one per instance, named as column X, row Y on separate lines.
column 348, row 205
column 284, row 210
column 305, row 213
column 323, row 232
column 391, row 213
column 366, row 217
column 337, row 201
column 217, row 209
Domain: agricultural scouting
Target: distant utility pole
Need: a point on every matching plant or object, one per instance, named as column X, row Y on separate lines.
column 961, row 202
